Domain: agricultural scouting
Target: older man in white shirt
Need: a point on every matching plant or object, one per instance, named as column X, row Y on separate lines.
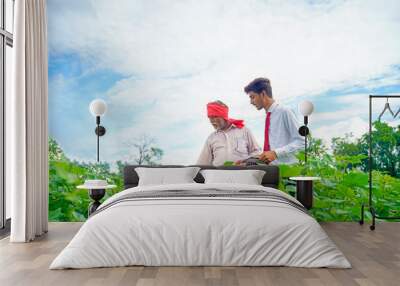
column 231, row 141
column 281, row 137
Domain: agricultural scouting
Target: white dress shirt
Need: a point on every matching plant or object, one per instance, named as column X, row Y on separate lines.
column 284, row 137
column 232, row 144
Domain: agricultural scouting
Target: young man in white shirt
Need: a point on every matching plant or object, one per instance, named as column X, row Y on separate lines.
column 281, row 136
column 231, row 141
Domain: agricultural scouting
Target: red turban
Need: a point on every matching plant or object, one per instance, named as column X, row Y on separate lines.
column 214, row 109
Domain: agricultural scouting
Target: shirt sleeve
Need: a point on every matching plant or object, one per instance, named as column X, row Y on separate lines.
column 296, row 140
column 205, row 157
column 253, row 148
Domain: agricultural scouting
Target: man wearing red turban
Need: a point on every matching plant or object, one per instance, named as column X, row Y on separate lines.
column 231, row 140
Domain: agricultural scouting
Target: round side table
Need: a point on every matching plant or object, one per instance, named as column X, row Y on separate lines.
column 96, row 193
column 304, row 190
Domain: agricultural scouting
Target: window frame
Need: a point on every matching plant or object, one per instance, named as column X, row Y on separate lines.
column 6, row 39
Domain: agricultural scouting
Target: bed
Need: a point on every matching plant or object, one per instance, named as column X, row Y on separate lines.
column 198, row 224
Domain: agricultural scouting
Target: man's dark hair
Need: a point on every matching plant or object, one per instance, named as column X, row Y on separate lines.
column 258, row 85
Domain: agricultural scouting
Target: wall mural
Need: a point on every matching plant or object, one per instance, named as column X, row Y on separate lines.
column 158, row 64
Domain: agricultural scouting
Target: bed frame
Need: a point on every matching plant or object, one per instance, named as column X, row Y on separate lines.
column 270, row 179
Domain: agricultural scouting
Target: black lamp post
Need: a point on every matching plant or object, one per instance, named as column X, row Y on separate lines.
column 98, row 108
column 306, row 108
column 304, row 184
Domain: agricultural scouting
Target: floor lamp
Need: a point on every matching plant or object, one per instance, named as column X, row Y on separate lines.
column 97, row 188
column 305, row 108
column 98, row 108
column 304, row 184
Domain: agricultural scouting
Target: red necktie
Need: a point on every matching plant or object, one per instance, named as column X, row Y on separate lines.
column 266, row 134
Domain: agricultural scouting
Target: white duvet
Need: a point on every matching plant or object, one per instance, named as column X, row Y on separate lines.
column 200, row 231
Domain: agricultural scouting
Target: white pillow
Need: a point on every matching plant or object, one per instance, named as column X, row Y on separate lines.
column 248, row 177
column 165, row 176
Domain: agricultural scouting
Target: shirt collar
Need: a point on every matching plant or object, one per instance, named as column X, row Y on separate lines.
column 272, row 107
column 226, row 130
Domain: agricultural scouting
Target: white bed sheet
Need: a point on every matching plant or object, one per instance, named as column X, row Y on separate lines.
column 200, row 231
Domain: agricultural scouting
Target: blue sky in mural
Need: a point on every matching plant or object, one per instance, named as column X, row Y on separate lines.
column 157, row 63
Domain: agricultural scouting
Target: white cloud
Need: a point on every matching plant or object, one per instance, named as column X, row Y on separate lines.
column 178, row 55
column 303, row 48
column 352, row 105
column 354, row 125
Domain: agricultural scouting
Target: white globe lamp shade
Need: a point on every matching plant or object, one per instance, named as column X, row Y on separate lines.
column 306, row 108
column 98, row 107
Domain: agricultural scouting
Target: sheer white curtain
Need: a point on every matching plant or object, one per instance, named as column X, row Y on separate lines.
column 28, row 160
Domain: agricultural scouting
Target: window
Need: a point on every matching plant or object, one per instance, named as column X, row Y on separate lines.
column 6, row 43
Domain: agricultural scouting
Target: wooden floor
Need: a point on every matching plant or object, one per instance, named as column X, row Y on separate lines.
column 375, row 257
